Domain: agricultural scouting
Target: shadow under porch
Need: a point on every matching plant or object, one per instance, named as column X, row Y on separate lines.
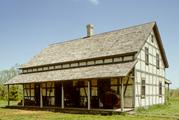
column 109, row 94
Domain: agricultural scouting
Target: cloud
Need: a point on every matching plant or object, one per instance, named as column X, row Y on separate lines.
column 94, row 2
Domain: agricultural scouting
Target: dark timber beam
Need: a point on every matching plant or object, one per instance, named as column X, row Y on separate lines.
column 41, row 98
column 62, row 97
column 23, row 100
column 8, row 101
column 89, row 98
column 122, row 96
column 126, row 86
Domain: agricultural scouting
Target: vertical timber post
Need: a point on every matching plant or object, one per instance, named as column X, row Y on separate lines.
column 168, row 94
column 89, row 99
column 23, row 100
column 122, row 96
column 62, row 97
column 8, row 102
column 41, row 97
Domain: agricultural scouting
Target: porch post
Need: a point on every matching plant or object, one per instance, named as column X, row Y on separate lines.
column 8, row 101
column 41, row 98
column 89, row 99
column 62, row 97
column 168, row 95
column 23, row 100
column 122, row 96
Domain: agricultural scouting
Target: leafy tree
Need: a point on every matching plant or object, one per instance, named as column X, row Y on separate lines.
column 15, row 91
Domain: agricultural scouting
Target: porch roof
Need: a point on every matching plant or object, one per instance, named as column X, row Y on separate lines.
column 100, row 71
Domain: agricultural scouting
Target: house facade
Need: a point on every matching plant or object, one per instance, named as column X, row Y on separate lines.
column 117, row 70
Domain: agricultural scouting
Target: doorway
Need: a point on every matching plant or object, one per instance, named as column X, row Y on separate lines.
column 58, row 92
column 37, row 94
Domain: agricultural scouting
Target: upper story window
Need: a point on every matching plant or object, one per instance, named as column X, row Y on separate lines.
column 152, row 37
column 160, row 88
column 146, row 56
column 84, row 63
column 143, row 88
column 157, row 61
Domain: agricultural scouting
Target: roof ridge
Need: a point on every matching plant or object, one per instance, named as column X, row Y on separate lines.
column 102, row 33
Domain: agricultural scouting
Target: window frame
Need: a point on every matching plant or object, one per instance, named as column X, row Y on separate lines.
column 160, row 89
column 157, row 61
column 146, row 56
column 143, row 88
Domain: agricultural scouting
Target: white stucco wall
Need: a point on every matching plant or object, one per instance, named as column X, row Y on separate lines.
column 151, row 74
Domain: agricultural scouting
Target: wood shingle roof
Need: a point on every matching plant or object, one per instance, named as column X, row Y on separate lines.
column 106, row 44
column 101, row 71
column 118, row 42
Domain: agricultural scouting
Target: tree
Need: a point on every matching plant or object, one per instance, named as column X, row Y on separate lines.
column 15, row 90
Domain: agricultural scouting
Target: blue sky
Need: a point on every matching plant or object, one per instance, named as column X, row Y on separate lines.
column 27, row 26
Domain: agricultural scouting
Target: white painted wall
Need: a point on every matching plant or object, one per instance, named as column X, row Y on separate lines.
column 151, row 74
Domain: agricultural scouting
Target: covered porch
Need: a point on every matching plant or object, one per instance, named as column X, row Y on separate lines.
column 109, row 86
column 102, row 94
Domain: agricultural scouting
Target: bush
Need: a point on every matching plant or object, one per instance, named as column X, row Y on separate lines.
column 174, row 93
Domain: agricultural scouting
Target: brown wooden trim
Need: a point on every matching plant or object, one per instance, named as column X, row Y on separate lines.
column 152, row 45
column 126, row 86
column 150, row 73
column 75, row 66
column 89, row 59
column 147, row 95
column 150, row 64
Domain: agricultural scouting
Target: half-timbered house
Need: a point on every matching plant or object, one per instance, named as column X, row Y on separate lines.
column 114, row 70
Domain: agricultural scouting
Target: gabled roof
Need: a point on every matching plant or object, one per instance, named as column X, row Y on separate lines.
column 160, row 44
column 105, row 44
column 118, row 42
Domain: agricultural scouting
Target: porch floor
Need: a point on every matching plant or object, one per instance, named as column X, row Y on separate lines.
column 73, row 110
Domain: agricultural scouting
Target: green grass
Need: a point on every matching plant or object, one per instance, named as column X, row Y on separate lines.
column 15, row 114
column 172, row 109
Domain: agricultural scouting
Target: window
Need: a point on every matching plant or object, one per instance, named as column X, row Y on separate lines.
column 152, row 36
column 160, row 88
column 24, row 70
column 157, row 61
column 146, row 56
column 108, row 60
column 143, row 88
column 29, row 92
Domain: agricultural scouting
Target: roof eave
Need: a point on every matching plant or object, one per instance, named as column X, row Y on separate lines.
column 161, row 45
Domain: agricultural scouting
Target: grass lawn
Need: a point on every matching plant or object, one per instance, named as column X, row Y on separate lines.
column 165, row 110
column 15, row 114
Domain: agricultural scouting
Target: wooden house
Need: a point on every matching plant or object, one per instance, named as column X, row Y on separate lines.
column 117, row 70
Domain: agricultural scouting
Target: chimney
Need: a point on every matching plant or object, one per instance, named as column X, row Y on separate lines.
column 89, row 30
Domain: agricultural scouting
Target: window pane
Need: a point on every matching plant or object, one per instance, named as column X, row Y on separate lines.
column 94, row 91
column 146, row 55
column 143, row 88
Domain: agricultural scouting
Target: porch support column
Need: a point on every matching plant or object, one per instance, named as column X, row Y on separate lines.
column 41, row 98
column 122, row 96
column 23, row 100
column 62, row 97
column 89, row 96
column 168, row 94
column 8, row 101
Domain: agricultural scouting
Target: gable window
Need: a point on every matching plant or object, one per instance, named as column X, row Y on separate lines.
column 143, row 88
column 160, row 88
column 146, row 56
column 157, row 61
column 152, row 36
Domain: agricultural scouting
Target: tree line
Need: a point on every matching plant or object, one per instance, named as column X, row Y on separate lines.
column 174, row 92
column 15, row 91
